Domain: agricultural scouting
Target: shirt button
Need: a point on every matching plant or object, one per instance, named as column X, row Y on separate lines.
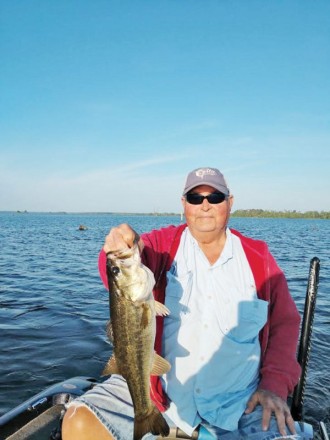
column 206, row 326
column 198, row 390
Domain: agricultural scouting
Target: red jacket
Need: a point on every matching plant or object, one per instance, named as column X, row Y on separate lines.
column 279, row 370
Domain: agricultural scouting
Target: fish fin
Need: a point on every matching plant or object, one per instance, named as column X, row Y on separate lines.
column 154, row 422
column 161, row 309
column 146, row 315
column 111, row 367
column 160, row 365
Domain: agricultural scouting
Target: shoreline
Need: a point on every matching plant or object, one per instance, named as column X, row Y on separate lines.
column 240, row 213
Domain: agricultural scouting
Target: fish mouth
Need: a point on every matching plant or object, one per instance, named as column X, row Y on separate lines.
column 122, row 253
column 124, row 257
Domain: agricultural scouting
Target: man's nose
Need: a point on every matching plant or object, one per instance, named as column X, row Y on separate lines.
column 205, row 205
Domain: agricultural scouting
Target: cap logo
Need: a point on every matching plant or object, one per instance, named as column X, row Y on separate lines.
column 205, row 172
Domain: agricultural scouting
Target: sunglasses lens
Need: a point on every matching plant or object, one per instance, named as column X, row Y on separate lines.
column 213, row 198
column 216, row 198
column 194, row 199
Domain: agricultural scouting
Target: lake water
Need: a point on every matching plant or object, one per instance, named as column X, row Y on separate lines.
column 53, row 306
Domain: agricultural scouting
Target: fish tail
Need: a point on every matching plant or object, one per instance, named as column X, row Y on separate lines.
column 154, row 422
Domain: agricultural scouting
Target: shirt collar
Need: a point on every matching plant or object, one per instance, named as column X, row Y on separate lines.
column 227, row 252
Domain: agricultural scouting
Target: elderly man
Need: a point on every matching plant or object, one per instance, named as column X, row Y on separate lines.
column 231, row 335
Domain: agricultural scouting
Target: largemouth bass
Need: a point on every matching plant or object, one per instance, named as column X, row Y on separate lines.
column 132, row 330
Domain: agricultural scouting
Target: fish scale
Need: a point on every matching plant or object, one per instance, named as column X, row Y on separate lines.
column 133, row 350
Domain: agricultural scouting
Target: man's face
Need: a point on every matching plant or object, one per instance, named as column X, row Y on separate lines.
column 207, row 217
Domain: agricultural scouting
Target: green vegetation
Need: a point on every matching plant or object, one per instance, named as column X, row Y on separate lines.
column 260, row 213
column 253, row 213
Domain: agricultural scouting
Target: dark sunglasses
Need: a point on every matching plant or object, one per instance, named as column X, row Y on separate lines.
column 213, row 198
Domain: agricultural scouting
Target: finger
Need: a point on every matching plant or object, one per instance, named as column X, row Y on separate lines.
column 252, row 403
column 128, row 234
column 290, row 423
column 114, row 241
column 266, row 415
column 280, row 418
column 140, row 243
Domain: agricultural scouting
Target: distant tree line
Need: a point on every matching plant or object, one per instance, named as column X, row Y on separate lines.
column 261, row 213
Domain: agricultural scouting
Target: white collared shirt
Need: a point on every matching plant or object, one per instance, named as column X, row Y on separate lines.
column 211, row 335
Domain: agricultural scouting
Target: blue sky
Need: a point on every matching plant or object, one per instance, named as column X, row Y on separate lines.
column 106, row 105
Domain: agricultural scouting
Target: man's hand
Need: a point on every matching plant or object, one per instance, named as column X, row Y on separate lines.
column 271, row 403
column 120, row 238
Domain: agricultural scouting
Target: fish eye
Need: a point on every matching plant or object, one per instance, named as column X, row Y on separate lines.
column 115, row 270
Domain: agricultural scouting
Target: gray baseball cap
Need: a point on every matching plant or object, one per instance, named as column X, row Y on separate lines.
column 206, row 176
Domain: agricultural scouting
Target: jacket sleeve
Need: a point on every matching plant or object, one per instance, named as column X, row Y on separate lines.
column 279, row 369
column 103, row 268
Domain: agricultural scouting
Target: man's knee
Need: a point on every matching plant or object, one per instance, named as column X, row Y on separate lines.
column 80, row 423
column 74, row 422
